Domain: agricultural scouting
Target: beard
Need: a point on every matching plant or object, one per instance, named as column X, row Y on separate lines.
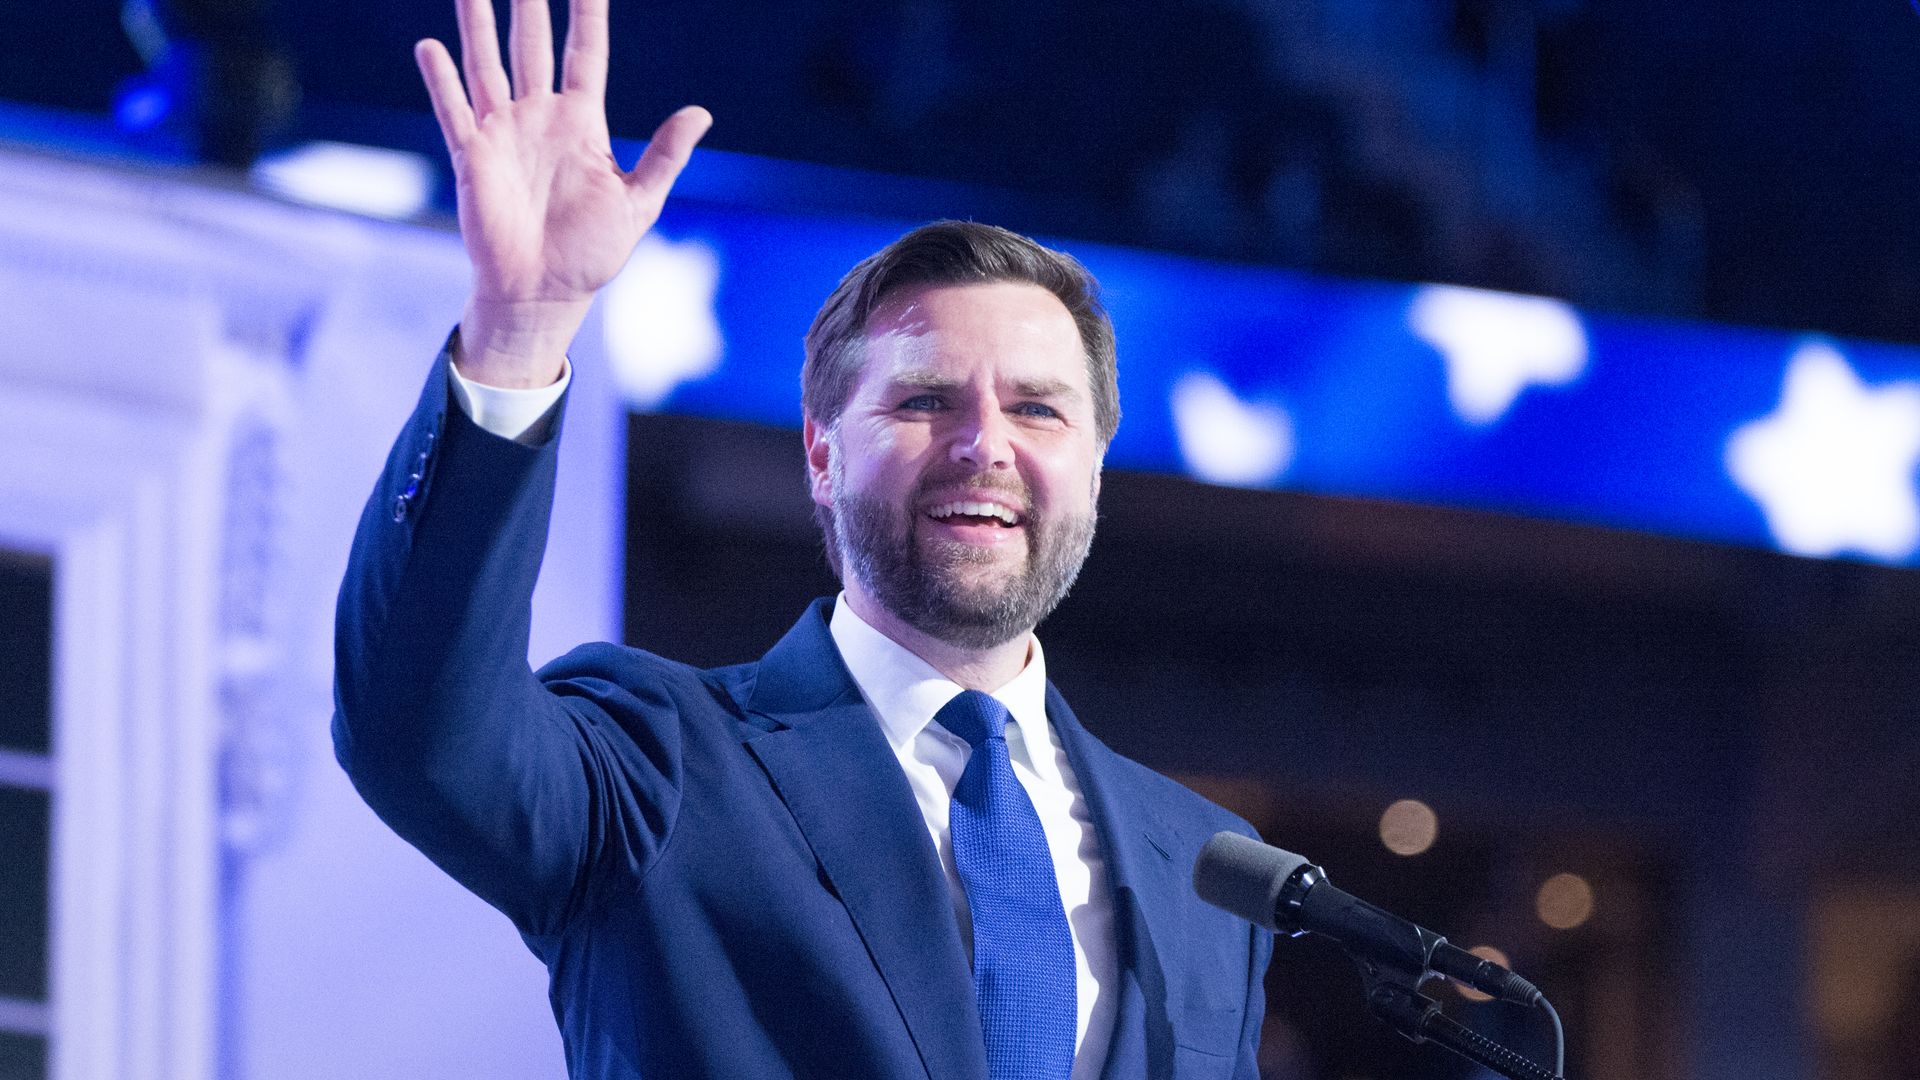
column 927, row 585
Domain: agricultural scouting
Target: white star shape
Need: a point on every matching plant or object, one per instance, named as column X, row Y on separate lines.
column 1226, row 440
column 1832, row 466
column 1497, row 344
column 659, row 319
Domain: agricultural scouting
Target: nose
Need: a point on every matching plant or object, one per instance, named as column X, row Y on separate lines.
column 984, row 439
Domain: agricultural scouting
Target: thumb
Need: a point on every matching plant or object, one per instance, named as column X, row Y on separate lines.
column 667, row 153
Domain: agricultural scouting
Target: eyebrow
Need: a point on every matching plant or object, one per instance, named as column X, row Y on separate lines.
column 1035, row 388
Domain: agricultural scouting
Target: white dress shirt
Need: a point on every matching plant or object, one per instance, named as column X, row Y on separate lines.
column 905, row 692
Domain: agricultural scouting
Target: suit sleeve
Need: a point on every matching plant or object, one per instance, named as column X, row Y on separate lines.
column 522, row 791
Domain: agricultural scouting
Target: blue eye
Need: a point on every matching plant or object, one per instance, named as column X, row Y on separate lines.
column 1034, row 408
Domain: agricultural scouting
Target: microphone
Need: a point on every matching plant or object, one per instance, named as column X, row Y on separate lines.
column 1284, row 892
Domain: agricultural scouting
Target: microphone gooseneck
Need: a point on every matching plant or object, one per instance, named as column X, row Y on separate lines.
column 1284, row 892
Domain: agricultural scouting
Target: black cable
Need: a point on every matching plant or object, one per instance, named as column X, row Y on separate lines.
column 1559, row 1038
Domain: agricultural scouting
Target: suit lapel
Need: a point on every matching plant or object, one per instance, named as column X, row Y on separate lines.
column 1144, row 883
column 838, row 777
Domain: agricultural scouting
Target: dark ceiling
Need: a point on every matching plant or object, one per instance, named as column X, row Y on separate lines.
column 1792, row 128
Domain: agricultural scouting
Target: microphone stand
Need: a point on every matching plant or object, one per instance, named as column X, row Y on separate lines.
column 1397, row 999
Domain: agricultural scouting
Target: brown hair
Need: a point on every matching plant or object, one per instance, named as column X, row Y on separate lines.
column 952, row 253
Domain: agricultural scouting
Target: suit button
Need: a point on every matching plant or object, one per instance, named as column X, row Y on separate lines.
column 400, row 508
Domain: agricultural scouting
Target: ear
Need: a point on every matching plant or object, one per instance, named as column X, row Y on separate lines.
column 819, row 444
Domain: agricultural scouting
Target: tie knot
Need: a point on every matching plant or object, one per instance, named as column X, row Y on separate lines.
column 974, row 716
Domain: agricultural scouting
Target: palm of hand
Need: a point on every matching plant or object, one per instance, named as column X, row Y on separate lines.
column 546, row 212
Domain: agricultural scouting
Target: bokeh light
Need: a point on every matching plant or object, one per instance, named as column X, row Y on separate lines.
column 1564, row 901
column 1409, row 827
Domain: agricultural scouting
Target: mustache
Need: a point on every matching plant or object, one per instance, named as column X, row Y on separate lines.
column 979, row 481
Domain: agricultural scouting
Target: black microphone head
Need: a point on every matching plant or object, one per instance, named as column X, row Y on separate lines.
column 1244, row 876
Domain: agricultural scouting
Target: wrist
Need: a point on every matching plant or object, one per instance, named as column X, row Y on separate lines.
column 519, row 344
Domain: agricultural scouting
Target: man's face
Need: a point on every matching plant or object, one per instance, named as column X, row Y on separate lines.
column 963, row 471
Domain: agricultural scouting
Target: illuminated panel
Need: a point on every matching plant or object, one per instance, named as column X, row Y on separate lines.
column 1266, row 378
column 1431, row 394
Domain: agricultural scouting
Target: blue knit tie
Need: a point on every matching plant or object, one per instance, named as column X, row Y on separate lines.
column 1023, row 967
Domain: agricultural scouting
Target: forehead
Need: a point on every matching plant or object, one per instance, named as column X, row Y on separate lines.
column 1002, row 330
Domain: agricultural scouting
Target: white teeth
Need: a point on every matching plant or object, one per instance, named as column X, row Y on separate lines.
column 975, row 509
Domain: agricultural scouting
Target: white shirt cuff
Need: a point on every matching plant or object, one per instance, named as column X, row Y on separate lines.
column 525, row 416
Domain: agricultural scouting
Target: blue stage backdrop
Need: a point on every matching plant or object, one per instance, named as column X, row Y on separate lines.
column 1269, row 379
column 1265, row 378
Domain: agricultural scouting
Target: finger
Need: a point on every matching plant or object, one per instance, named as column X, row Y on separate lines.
column 584, row 68
column 450, row 105
column 480, row 55
column 530, row 41
column 667, row 153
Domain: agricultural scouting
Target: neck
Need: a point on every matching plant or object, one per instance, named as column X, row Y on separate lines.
column 986, row 669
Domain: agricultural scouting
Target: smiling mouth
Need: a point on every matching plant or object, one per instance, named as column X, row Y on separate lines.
column 974, row 513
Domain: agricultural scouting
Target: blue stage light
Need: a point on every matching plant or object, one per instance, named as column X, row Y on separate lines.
column 143, row 103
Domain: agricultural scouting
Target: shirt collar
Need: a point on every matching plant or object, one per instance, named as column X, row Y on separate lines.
column 905, row 691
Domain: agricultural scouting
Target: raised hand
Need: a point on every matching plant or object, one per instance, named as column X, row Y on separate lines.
column 547, row 214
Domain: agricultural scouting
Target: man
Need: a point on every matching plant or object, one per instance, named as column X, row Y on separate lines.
column 888, row 848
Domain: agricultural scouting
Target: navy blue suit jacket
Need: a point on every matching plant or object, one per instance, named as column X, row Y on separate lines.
column 723, row 870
